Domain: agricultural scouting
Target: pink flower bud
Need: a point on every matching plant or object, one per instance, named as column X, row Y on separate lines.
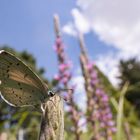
column 89, row 66
column 58, row 41
column 94, row 75
column 64, row 80
column 62, row 67
column 57, row 77
column 67, row 75
column 98, row 91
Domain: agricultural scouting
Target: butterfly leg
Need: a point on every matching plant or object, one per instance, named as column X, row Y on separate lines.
column 37, row 108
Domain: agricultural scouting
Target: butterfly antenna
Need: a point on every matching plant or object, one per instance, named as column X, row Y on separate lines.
column 64, row 98
column 61, row 89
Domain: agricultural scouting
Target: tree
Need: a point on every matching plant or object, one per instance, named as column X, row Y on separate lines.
column 130, row 72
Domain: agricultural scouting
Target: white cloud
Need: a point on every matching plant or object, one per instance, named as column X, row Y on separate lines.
column 70, row 29
column 80, row 24
column 116, row 22
column 109, row 65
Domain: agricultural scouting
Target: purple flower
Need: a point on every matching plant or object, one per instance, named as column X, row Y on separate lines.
column 89, row 66
column 63, row 67
column 98, row 91
column 105, row 98
column 113, row 129
column 110, row 123
column 94, row 82
column 58, row 41
column 102, row 124
column 109, row 138
column 67, row 74
column 64, row 80
column 64, row 76
column 109, row 116
column 100, row 102
column 94, row 75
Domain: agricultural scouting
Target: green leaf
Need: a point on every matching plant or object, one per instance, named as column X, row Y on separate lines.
column 120, row 112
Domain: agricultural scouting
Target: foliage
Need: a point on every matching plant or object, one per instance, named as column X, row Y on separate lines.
column 130, row 72
column 108, row 87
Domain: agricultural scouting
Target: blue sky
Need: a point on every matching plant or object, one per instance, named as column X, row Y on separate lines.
column 28, row 25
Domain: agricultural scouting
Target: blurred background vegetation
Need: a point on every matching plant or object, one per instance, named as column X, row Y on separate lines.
column 25, row 122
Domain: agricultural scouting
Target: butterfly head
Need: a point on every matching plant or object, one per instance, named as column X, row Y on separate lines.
column 50, row 93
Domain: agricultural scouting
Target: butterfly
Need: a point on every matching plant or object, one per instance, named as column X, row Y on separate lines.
column 19, row 85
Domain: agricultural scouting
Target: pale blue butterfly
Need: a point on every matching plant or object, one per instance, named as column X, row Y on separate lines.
column 19, row 85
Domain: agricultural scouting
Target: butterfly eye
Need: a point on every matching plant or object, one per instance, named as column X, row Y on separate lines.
column 50, row 93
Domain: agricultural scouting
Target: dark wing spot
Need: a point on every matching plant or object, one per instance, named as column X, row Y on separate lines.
column 7, row 70
column 19, row 97
column 17, row 64
column 20, row 88
column 30, row 96
column 20, row 101
column 32, row 90
column 19, row 84
column 10, row 63
column 8, row 67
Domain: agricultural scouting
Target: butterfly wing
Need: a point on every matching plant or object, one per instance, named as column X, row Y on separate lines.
column 19, row 86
